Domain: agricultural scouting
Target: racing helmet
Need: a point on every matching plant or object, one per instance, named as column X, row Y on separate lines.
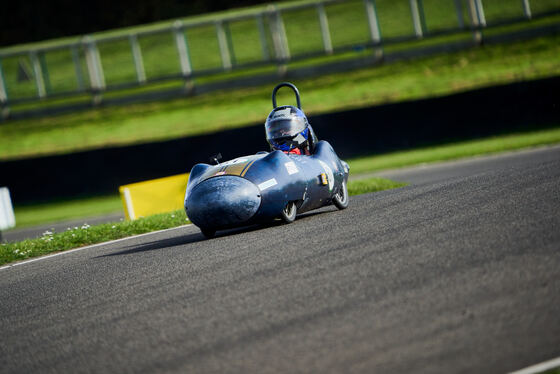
column 287, row 128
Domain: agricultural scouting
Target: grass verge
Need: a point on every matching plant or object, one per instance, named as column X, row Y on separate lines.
column 85, row 235
column 372, row 184
column 454, row 151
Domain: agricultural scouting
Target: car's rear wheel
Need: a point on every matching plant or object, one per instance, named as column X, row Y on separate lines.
column 340, row 200
column 208, row 232
column 289, row 212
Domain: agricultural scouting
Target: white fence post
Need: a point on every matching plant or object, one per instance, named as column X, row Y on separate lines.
column 480, row 13
column 95, row 70
column 279, row 39
column 278, row 34
column 98, row 66
column 325, row 32
column 137, row 56
column 224, row 45
column 527, row 9
column 475, row 20
column 38, row 74
column 274, row 34
column 283, row 36
column 374, row 31
column 183, row 51
column 416, row 18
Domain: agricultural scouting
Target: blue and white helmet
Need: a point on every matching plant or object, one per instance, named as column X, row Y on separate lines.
column 287, row 128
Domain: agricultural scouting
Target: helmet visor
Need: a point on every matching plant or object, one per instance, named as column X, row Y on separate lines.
column 284, row 128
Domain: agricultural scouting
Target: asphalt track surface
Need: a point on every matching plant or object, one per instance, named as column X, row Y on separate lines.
column 457, row 273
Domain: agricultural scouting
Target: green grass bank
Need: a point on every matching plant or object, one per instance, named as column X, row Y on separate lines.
column 419, row 78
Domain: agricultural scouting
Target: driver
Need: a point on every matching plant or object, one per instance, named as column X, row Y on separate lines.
column 287, row 130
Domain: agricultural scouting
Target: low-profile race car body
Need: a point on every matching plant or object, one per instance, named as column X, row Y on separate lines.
column 264, row 187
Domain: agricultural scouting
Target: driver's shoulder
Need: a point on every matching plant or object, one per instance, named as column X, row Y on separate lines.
column 322, row 145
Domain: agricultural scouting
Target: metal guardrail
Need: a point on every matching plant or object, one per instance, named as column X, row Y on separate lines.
column 26, row 75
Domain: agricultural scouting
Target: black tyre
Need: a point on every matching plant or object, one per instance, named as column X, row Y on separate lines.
column 289, row 212
column 340, row 200
column 208, row 232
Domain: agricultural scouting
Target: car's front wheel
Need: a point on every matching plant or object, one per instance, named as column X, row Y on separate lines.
column 208, row 232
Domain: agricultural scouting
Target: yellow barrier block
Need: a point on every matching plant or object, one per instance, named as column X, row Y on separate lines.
column 154, row 196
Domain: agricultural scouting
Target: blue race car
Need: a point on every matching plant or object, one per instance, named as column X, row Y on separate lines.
column 298, row 175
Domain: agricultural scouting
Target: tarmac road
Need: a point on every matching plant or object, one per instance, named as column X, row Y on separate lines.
column 457, row 273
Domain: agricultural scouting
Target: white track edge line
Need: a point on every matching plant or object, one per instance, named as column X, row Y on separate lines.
column 91, row 246
column 539, row 368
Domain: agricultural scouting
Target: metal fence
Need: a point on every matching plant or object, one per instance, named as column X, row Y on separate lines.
column 271, row 36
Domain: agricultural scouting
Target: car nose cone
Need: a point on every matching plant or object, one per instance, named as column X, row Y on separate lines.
column 222, row 201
